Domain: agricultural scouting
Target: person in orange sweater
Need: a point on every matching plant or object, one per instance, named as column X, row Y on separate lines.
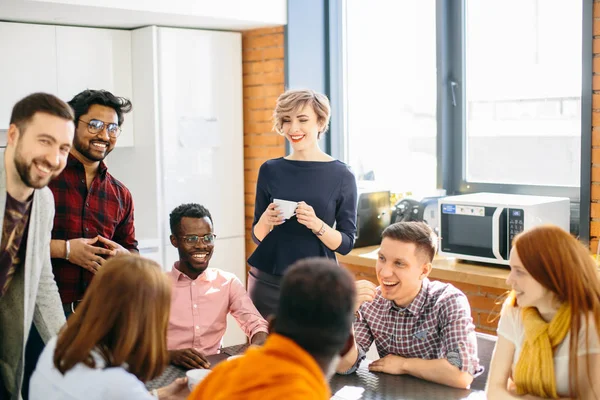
column 310, row 333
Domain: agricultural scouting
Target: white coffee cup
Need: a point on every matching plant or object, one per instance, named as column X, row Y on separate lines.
column 195, row 376
column 287, row 207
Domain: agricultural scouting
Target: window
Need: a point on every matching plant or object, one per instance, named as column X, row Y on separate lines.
column 391, row 93
column 466, row 96
column 523, row 68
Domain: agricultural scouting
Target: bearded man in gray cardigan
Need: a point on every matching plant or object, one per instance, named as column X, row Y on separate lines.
column 38, row 142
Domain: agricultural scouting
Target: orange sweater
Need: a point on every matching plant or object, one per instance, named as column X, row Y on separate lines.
column 279, row 370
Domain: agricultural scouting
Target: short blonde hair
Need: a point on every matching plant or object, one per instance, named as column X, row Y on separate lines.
column 294, row 100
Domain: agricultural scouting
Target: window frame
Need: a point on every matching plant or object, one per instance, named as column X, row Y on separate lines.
column 451, row 119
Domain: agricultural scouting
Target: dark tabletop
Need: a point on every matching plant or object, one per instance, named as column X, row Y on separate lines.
column 378, row 386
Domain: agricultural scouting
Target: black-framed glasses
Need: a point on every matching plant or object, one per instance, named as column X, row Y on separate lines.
column 209, row 238
column 96, row 126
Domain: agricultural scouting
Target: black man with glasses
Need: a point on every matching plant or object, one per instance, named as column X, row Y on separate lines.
column 94, row 211
column 202, row 297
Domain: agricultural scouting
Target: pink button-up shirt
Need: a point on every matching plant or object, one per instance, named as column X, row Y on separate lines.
column 199, row 310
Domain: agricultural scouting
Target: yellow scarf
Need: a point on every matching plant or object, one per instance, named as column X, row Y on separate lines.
column 534, row 372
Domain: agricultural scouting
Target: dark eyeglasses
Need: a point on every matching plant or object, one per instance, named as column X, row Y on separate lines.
column 96, row 126
column 193, row 239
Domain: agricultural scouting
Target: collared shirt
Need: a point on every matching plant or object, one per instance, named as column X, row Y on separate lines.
column 199, row 310
column 105, row 209
column 436, row 324
column 14, row 239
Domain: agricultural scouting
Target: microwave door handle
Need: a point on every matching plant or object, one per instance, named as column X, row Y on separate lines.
column 496, row 233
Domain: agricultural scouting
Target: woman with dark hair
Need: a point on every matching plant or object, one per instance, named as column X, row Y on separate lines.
column 115, row 341
column 549, row 330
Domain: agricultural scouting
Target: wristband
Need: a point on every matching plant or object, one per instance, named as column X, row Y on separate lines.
column 67, row 250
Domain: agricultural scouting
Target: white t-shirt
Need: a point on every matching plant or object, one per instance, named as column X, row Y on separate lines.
column 82, row 382
column 511, row 328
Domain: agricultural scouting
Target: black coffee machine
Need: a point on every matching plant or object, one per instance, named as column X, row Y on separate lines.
column 426, row 210
column 373, row 215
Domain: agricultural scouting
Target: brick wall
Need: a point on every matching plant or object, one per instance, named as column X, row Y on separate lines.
column 263, row 80
column 595, row 189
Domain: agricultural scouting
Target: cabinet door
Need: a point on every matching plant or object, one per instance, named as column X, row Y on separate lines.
column 91, row 58
column 200, row 86
column 28, row 64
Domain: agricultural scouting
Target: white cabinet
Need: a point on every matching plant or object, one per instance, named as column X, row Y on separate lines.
column 91, row 58
column 64, row 61
column 28, row 64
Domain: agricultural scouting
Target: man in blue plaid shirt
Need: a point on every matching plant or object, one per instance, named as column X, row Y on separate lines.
column 420, row 327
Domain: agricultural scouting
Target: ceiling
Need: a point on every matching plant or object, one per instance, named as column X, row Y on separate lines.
column 128, row 14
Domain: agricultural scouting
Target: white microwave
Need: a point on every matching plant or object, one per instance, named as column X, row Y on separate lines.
column 481, row 226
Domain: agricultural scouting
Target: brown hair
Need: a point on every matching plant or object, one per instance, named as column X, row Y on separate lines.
column 564, row 266
column 123, row 316
column 26, row 108
column 418, row 233
column 295, row 100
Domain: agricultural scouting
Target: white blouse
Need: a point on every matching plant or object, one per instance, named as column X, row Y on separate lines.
column 82, row 382
column 511, row 327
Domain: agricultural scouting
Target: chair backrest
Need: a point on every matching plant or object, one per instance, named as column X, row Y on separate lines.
column 485, row 349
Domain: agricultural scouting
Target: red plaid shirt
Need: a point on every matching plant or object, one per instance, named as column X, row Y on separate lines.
column 437, row 324
column 106, row 209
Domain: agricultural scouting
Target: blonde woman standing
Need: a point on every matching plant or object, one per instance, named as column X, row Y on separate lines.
column 323, row 188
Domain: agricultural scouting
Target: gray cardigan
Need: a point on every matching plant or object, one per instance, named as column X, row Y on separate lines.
column 33, row 294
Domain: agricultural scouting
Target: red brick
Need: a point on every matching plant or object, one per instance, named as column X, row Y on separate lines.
column 266, row 140
column 595, row 155
column 595, row 210
column 262, row 31
column 482, row 303
column 494, row 293
column 596, row 10
column 254, row 164
column 251, row 127
column 277, row 65
column 596, row 119
column 596, row 46
column 596, row 82
column 596, row 27
column 594, row 246
column 260, row 116
column 596, row 136
column 596, row 174
column 271, row 53
column 261, row 42
column 595, row 228
column 263, row 79
column 596, row 99
column 252, row 55
column 595, row 192
column 269, row 152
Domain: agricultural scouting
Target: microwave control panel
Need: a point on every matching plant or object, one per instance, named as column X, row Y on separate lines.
column 516, row 220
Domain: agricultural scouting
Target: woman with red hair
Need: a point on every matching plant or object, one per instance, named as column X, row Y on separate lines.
column 548, row 335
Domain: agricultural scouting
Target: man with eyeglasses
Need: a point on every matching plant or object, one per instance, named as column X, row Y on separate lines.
column 201, row 296
column 94, row 211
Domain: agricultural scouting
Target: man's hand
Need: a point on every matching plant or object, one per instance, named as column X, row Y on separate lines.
column 188, row 358
column 389, row 364
column 87, row 256
column 259, row 338
column 115, row 247
column 365, row 291
column 178, row 389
